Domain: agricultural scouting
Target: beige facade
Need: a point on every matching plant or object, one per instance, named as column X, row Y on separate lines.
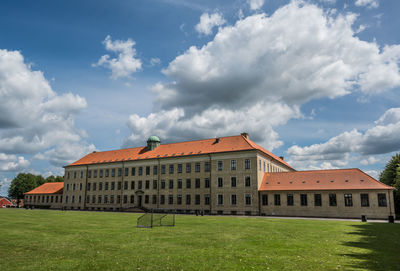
column 374, row 204
column 52, row 201
column 222, row 183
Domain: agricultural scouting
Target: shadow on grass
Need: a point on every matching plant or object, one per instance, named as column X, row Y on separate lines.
column 377, row 248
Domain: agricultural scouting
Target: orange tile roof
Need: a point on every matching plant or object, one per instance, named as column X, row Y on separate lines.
column 204, row 146
column 334, row 179
column 48, row 188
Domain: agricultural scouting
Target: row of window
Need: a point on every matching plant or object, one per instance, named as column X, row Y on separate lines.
column 268, row 167
column 171, row 184
column 43, row 199
column 105, row 199
column 348, row 200
column 147, row 170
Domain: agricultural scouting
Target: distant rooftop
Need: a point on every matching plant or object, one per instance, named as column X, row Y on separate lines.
column 48, row 188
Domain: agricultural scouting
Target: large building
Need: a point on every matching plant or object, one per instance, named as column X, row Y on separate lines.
column 226, row 175
column 48, row 195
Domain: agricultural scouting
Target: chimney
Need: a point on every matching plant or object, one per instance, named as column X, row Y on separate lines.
column 282, row 158
column 217, row 140
column 245, row 135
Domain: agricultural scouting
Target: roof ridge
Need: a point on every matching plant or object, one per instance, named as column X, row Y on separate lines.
column 181, row 142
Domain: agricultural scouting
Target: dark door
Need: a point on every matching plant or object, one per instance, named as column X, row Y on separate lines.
column 140, row 200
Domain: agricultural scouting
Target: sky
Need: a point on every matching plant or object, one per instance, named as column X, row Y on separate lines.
column 315, row 81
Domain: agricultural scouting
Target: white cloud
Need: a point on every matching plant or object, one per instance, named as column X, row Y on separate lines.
column 380, row 139
column 255, row 4
column 125, row 64
column 373, row 173
column 369, row 161
column 173, row 125
column 33, row 118
column 367, row 3
column 297, row 54
column 155, row 61
column 208, row 22
column 12, row 162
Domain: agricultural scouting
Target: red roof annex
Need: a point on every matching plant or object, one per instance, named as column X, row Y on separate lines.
column 334, row 179
column 204, row 146
column 48, row 188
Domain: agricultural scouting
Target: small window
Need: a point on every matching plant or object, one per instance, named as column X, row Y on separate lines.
column 106, row 186
column 207, row 167
column 162, row 199
column 113, row 172
column 197, row 199
column 220, row 182
column 119, row 185
column 317, row 200
column 207, row 199
column 247, row 181
column 290, row 200
column 171, row 184
column 206, row 183
column 348, row 200
column 220, row 165
column 162, row 184
column 233, row 181
column 197, row 183
column 154, row 184
column 247, row 164
column 154, row 199
column 188, row 183
column 277, row 199
column 125, row 185
column 264, row 199
column 179, row 168
column 140, row 172
column 382, row 200
column 133, row 171
column 126, row 171
column 140, row 184
column 233, row 199
column 132, row 185
column 179, row 183
column 248, row 199
column 162, row 169
column 220, row 199
column 155, row 170
column 171, row 169
column 147, row 184
column 119, row 172
column 188, row 167
column 332, row 200
column 303, row 199
column 112, row 185
column 125, row 199
column 146, row 199
column 364, row 200
column 179, row 199
column 147, row 170
column 132, row 199
column 107, row 173
column 233, row 164
column 188, row 199
column 100, row 186
column 197, row 167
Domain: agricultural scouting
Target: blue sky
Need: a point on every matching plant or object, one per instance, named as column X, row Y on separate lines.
column 315, row 81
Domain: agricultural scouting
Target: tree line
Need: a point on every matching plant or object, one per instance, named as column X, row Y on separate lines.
column 391, row 176
column 25, row 182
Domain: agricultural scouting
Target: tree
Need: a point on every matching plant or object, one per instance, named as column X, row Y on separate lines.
column 23, row 183
column 52, row 179
column 391, row 176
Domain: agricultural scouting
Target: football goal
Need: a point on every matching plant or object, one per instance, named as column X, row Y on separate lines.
column 154, row 219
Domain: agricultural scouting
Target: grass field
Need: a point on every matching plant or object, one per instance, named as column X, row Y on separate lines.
column 56, row 240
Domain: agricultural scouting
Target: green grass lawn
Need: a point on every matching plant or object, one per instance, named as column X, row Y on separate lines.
column 56, row 240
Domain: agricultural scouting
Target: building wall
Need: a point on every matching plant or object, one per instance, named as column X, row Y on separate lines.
column 373, row 211
column 53, row 201
column 79, row 186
